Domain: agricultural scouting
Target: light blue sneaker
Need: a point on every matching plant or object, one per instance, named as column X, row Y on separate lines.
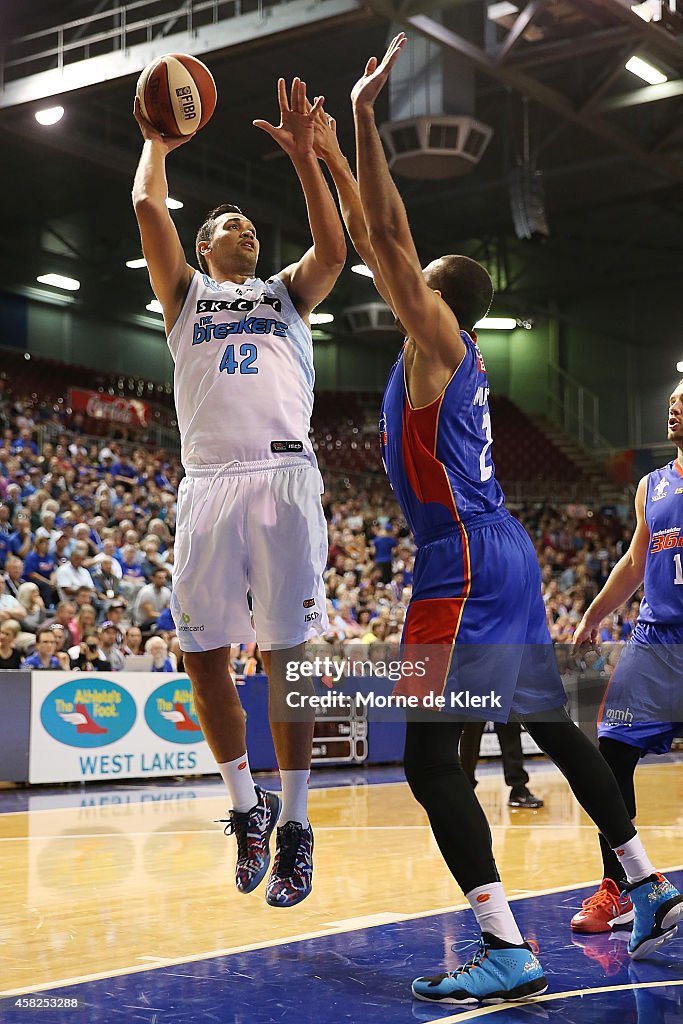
column 498, row 971
column 658, row 907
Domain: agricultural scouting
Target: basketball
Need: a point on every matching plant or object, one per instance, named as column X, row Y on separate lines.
column 177, row 94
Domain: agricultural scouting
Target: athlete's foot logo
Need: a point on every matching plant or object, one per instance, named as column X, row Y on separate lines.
column 182, row 720
column 80, row 717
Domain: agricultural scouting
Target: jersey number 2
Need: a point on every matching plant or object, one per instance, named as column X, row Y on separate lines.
column 486, row 472
column 248, row 353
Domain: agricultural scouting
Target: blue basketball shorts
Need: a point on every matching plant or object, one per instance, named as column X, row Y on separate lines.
column 477, row 615
column 643, row 703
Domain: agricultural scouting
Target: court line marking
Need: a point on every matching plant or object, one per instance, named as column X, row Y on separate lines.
column 137, row 798
column 485, row 1011
column 319, row 828
column 303, row 937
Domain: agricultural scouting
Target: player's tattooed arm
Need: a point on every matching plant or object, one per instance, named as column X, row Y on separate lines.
column 625, row 578
column 168, row 269
column 311, row 279
column 424, row 316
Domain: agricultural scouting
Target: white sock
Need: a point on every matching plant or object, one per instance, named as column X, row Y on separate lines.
column 634, row 860
column 295, row 796
column 493, row 913
column 237, row 777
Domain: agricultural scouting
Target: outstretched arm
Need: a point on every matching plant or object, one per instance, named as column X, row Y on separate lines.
column 311, row 279
column 624, row 579
column 169, row 272
column 327, row 148
column 424, row 315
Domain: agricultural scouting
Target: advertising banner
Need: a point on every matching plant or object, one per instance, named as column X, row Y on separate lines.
column 114, row 725
column 130, row 411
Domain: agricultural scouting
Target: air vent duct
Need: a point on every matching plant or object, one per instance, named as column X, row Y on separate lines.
column 432, row 147
column 372, row 319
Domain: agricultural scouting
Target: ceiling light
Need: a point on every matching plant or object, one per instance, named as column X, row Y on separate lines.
column 679, row 367
column 321, row 336
column 501, row 10
column 49, row 295
column 49, row 115
column 646, row 71
column 173, row 204
column 321, row 318
column 496, row 323
column 136, row 264
column 154, row 306
column 57, row 281
column 360, row 268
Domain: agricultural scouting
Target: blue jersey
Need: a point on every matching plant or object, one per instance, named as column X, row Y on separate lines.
column 477, row 584
column 438, row 456
column 663, row 600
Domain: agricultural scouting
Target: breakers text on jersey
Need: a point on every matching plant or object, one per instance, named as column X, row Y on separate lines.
column 207, row 330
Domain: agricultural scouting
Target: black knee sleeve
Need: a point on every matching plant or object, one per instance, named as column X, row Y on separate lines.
column 431, row 755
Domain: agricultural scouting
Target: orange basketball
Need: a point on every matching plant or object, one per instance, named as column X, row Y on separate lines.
column 177, row 94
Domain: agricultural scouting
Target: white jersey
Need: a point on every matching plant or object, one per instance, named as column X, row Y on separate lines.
column 244, row 374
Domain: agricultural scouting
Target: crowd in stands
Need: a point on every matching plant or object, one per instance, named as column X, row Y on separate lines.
column 86, row 552
column 86, row 546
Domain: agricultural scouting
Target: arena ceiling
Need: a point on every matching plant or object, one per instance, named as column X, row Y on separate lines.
column 610, row 147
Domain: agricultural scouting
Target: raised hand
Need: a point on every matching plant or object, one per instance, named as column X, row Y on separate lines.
column 367, row 89
column 150, row 132
column 325, row 143
column 295, row 132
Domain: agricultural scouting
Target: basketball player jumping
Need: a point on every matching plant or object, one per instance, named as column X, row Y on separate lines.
column 477, row 580
column 249, row 511
column 645, row 685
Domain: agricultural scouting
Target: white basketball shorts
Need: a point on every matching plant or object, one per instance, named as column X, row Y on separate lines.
column 257, row 527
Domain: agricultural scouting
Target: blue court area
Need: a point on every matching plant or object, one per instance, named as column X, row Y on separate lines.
column 363, row 977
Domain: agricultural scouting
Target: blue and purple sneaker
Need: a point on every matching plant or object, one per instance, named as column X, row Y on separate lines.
column 252, row 830
column 291, row 879
column 658, row 907
column 498, row 972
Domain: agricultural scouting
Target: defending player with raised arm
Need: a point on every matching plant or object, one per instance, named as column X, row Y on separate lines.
column 476, row 609
column 642, row 711
column 249, row 517
column 427, row 299
column 422, row 300
column 327, row 148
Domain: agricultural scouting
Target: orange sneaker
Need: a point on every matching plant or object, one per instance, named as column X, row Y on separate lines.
column 605, row 908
